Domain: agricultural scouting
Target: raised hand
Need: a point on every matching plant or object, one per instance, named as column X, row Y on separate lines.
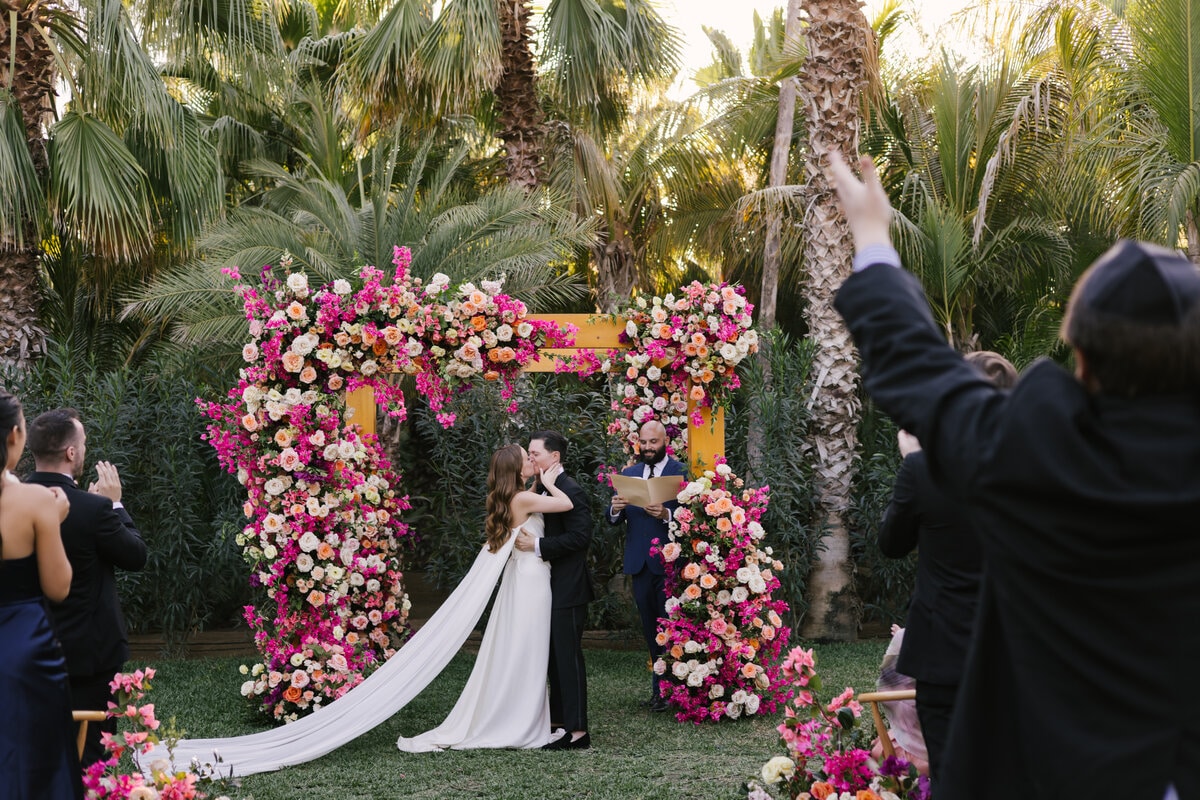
column 907, row 442
column 864, row 202
column 107, row 483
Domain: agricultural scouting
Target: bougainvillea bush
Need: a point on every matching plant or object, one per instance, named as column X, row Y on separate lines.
column 826, row 759
column 324, row 532
column 683, row 347
column 724, row 631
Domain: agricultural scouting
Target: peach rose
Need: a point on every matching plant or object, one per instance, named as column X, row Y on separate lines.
column 676, row 652
column 292, row 361
column 316, row 598
column 250, row 422
column 335, row 382
column 295, row 310
column 671, row 551
column 308, row 374
column 692, row 592
column 707, row 582
column 291, row 694
column 691, row 571
column 325, row 551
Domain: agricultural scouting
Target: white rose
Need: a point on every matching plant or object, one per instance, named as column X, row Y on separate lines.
column 269, row 552
column 297, row 659
column 309, row 542
column 524, row 330
column 275, row 486
column 739, row 594
column 653, row 373
column 729, row 352
column 504, row 333
column 752, row 702
column 777, row 768
column 733, row 711
column 631, row 328
column 247, row 688
column 717, row 690
column 746, row 574
column 679, row 669
column 695, row 679
column 304, row 562
column 298, row 283
column 341, row 286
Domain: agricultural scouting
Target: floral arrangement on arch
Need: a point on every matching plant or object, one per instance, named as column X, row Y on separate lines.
column 104, row 779
column 724, row 631
column 684, row 347
column 824, row 761
column 324, row 527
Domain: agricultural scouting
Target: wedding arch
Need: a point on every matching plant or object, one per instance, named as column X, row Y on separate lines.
column 323, row 506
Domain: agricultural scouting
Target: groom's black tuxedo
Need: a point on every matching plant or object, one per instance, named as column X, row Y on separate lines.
column 564, row 544
column 98, row 538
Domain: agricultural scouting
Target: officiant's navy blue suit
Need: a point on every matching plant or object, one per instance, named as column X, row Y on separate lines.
column 1078, row 681
column 641, row 529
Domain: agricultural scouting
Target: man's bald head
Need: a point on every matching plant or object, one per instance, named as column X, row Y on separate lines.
column 652, row 441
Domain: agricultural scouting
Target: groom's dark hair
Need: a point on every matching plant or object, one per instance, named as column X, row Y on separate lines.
column 553, row 441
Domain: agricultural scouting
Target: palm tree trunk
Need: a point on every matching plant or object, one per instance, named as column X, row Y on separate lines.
column 784, row 126
column 616, row 267
column 521, row 117
column 780, row 151
column 831, row 85
column 32, row 85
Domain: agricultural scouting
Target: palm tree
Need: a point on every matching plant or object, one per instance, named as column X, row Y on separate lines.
column 421, row 197
column 836, row 72
column 476, row 55
column 125, row 172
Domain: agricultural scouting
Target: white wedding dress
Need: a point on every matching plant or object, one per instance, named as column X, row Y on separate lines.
column 504, row 703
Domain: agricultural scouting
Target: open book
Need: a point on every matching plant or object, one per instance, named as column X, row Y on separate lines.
column 642, row 492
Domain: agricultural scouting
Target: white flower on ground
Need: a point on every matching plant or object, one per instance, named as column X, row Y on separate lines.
column 778, row 768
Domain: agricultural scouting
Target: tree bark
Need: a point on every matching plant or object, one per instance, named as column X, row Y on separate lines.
column 831, row 85
column 780, row 151
column 1193, row 237
column 32, row 84
column 521, row 117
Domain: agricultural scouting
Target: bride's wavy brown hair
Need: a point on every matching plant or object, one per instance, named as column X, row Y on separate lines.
column 503, row 483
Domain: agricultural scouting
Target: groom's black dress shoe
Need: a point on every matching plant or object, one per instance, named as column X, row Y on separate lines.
column 564, row 743
column 660, row 704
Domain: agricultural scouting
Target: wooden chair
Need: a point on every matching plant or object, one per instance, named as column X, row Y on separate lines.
column 83, row 718
column 875, row 698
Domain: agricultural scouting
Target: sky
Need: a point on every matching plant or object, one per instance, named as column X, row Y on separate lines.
column 734, row 17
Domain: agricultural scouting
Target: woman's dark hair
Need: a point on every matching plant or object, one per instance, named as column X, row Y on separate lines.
column 10, row 417
column 503, row 483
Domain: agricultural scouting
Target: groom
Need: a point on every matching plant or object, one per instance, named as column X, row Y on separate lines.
column 565, row 545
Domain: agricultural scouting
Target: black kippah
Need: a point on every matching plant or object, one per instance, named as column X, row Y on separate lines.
column 1142, row 282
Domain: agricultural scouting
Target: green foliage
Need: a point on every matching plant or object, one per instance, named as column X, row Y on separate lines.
column 779, row 413
column 188, row 510
column 884, row 585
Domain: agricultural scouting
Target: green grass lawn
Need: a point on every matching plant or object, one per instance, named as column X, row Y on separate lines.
column 635, row 754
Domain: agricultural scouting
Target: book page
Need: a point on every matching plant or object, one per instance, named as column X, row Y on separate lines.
column 641, row 492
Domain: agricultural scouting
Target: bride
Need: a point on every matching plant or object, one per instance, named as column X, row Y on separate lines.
column 504, row 703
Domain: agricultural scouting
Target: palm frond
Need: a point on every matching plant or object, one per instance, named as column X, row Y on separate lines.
column 22, row 202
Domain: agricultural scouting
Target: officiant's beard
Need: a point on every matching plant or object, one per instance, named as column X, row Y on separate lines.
column 651, row 457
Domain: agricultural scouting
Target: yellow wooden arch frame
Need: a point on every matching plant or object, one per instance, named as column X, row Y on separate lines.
column 598, row 334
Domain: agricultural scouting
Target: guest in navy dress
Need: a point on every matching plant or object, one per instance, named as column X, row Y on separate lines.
column 38, row 760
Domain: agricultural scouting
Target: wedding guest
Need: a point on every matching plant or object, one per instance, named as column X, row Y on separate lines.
column 37, row 740
column 643, row 528
column 949, row 564
column 99, row 537
column 1085, row 492
column 565, row 544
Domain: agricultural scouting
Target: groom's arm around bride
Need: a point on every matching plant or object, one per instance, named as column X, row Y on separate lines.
column 565, row 544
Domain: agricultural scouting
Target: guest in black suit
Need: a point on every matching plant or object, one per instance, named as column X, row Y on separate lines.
column 949, row 565
column 643, row 527
column 1085, row 492
column 99, row 536
column 565, row 544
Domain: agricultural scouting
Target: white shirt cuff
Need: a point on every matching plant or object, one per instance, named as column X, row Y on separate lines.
column 876, row 254
column 537, row 547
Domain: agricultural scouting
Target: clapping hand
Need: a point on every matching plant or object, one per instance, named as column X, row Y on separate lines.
column 907, row 442
column 107, row 483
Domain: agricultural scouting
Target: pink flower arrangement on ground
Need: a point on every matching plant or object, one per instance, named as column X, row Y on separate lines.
column 324, row 530
column 104, row 780
column 723, row 632
column 683, row 347
column 823, row 760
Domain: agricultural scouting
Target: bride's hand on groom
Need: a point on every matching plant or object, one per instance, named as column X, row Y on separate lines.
column 550, row 475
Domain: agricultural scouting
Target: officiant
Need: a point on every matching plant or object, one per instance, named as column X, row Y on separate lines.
column 643, row 527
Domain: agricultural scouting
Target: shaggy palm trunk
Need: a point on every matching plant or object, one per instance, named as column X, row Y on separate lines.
column 521, row 116
column 31, row 82
column 831, row 85
column 616, row 266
